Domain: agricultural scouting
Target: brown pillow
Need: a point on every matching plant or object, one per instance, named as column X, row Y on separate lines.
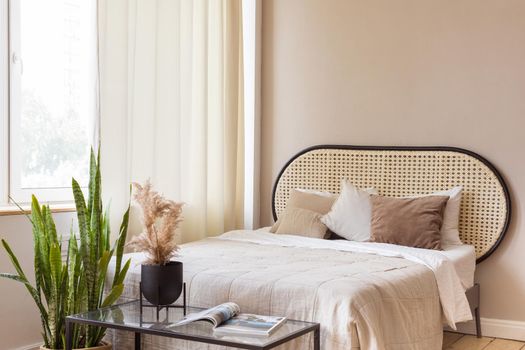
column 307, row 200
column 302, row 222
column 412, row 222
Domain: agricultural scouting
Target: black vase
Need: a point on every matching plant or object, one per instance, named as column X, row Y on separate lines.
column 162, row 284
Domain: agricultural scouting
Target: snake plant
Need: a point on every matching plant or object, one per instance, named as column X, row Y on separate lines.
column 76, row 284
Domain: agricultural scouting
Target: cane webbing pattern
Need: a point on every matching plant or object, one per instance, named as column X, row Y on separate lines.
column 485, row 206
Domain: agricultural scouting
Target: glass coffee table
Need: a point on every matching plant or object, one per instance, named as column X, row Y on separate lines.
column 127, row 316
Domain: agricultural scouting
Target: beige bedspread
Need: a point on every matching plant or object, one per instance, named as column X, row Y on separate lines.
column 362, row 300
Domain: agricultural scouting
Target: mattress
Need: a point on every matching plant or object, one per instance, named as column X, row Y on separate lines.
column 364, row 295
column 464, row 259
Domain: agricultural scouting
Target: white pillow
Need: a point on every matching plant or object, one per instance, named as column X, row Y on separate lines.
column 450, row 226
column 351, row 213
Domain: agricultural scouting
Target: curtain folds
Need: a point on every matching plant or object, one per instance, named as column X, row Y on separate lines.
column 171, row 78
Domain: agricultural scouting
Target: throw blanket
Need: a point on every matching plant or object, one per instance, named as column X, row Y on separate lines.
column 365, row 295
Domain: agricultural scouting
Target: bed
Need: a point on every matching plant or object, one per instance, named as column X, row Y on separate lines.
column 365, row 295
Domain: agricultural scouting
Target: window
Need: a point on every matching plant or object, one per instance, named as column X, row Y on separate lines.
column 49, row 96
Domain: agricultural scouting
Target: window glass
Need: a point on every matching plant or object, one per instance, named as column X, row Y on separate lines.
column 53, row 92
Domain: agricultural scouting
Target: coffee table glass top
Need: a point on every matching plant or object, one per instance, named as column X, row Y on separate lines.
column 127, row 316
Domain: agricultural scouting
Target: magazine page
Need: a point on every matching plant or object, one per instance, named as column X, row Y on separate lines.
column 215, row 315
column 249, row 324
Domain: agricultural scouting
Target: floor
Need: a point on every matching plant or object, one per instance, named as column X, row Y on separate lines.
column 457, row 341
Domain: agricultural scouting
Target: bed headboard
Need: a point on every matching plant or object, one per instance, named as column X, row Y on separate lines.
column 404, row 171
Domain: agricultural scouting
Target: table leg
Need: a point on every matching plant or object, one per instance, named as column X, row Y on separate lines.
column 317, row 339
column 137, row 341
column 69, row 335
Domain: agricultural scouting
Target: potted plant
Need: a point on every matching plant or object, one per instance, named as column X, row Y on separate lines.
column 77, row 284
column 161, row 278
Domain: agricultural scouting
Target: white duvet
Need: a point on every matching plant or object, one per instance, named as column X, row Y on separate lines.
column 365, row 295
column 451, row 293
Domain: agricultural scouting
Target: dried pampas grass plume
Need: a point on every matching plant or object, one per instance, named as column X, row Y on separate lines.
column 160, row 219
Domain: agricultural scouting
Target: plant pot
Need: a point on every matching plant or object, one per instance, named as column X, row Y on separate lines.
column 104, row 346
column 162, row 284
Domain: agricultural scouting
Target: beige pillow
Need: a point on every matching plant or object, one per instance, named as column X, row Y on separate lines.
column 319, row 202
column 302, row 222
column 412, row 222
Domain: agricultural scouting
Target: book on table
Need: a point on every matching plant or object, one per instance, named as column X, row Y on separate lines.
column 227, row 320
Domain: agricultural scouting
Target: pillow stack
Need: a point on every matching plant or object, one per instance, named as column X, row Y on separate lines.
column 428, row 221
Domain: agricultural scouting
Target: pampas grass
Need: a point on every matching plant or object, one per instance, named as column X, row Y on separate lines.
column 160, row 219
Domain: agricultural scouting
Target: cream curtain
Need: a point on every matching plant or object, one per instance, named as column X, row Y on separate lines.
column 172, row 104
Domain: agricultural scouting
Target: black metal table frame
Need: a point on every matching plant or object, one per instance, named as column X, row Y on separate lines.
column 315, row 328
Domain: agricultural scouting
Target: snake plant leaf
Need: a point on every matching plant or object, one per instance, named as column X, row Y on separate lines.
column 73, row 262
column 37, row 260
column 102, row 270
column 54, row 309
column 41, row 215
column 95, row 231
column 121, row 242
column 42, row 250
column 123, row 273
column 91, row 186
column 112, row 297
column 13, row 277
column 96, row 235
column 14, row 260
column 96, row 209
column 55, row 262
column 22, row 278
column 106, row 232
column 63, row 304
column 35, row 208
column 85, row 236
column 80, row 204
column 50, row 225
column 117, row 315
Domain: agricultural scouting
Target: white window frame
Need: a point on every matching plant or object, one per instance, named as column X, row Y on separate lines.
column 252, row 22
column 11, row 67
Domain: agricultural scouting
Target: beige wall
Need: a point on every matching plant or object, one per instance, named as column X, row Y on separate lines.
column 19, row 319
column 405, row 72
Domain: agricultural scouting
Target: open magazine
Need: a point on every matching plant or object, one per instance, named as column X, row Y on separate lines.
column 227, row 320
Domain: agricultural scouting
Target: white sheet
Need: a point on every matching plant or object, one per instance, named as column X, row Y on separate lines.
column 464, row 259
column 451, row 291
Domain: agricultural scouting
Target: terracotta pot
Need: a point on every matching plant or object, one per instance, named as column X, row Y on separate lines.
column 104, row 346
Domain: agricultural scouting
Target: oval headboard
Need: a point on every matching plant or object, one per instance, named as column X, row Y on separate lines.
column 405, row 171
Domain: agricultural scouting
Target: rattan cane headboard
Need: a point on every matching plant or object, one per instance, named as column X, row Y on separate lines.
column 404, row 171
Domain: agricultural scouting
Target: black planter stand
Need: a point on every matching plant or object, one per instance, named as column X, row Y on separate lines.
column 145, row 303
